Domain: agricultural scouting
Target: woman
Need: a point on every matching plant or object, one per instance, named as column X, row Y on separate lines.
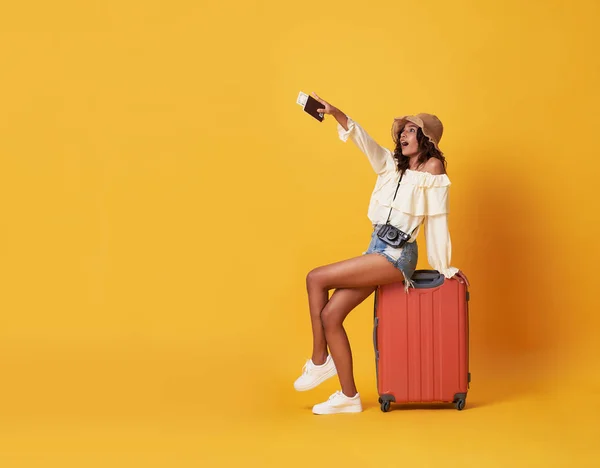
column 411, row 189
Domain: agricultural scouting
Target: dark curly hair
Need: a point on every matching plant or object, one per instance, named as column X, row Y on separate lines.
column 427, row 150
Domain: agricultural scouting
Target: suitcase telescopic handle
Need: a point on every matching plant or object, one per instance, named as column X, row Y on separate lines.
column 425, row 279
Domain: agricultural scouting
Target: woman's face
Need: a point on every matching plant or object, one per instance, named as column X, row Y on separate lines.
column 408, row 140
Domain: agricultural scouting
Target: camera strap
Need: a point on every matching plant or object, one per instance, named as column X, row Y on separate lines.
column 390, row 215
column 396, row 193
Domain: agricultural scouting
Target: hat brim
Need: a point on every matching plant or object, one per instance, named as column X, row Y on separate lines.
column 400, row 122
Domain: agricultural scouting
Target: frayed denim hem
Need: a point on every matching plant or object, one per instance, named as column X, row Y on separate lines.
column 408, row 283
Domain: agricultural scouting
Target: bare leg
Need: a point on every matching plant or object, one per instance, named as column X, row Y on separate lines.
column 358, row 272
column 317, row 299
column 339, row 306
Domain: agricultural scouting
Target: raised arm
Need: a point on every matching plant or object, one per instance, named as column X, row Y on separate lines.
column 381, row 158
column 334, row 111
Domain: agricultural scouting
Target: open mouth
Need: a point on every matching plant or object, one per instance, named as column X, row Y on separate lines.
column 404, row 143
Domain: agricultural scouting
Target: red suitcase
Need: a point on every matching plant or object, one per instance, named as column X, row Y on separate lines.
column 421, row 341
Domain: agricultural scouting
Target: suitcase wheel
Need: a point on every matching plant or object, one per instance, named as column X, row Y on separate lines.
column 460, row 404
column 385, row 406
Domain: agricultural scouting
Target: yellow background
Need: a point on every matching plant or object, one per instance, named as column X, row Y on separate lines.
column 163, row 198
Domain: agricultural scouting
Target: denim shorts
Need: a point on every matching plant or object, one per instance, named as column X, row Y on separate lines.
column 404, row 258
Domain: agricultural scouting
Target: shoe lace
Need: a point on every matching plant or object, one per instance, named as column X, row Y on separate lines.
column 335, row 395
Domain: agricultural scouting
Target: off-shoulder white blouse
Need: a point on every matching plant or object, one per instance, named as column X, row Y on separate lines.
column 422, row 198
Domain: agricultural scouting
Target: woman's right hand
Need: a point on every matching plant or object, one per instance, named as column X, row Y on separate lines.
column 327, row 108
column 331, row 110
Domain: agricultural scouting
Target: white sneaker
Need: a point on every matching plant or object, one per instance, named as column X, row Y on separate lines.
column 339, row 403
column 313, row 375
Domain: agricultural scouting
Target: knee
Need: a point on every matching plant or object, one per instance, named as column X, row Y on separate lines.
column 314, row 279
column 331, row 319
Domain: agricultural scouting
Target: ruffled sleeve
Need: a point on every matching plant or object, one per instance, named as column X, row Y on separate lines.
column 439, row 244
column 425, row 194
column 381, row 159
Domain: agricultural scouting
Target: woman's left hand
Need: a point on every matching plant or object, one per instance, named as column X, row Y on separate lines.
column 461, row 278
